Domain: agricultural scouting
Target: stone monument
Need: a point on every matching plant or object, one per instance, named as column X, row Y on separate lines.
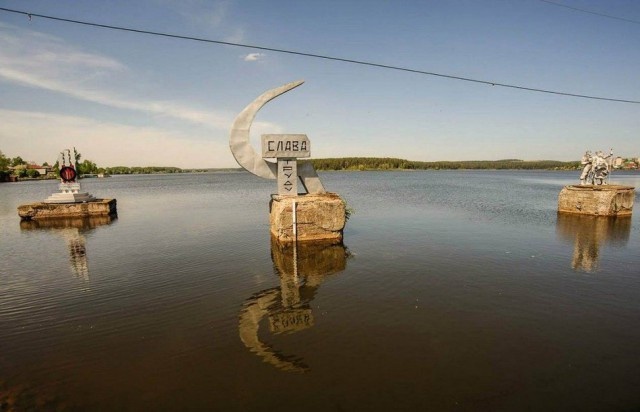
column 69, row 185
column 69, row 202
column 313, row 215
column 594, row 195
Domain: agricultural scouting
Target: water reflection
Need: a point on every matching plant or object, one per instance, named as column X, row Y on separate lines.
column 589, row 233
column 73, row 230
column 301, row 269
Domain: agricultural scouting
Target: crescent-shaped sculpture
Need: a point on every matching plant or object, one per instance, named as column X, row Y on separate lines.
column 249, row 159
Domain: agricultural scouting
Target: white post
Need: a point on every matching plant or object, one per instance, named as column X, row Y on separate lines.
column 295, row 242
column 295, row 223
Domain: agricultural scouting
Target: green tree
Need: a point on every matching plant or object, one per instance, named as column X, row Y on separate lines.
column 17, row 161
column 32, row 173
column 76, row 156
column 4, row 161
column 20, row 172
column 86, row 167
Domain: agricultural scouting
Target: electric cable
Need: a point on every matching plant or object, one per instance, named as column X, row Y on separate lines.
column 317, row 56
column 590, row 12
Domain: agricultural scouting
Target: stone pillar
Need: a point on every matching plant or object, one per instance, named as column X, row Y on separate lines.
column 318, row 216
column 287, row 176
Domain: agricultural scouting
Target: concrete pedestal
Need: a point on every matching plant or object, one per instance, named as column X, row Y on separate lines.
column 69, row 193
column 597, row 200
column 318, row 217
column 70, row 198
column 42, row 210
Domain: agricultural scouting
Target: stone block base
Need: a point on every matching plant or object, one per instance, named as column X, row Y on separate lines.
column 597, row 200
column 318, row 216
column 42, row 210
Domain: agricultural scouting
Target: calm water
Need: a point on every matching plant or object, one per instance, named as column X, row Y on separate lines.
column 453, row 291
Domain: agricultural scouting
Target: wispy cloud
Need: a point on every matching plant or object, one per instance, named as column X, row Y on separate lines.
column 208, row 17
column 252, row 57
column 40, row 136
column 236, row 36
column 41, row 61
column 203, row 13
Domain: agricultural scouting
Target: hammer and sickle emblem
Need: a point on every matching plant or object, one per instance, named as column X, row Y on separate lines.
column 249, row 159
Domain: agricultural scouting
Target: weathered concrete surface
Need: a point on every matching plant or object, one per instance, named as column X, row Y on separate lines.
column 319, row 217
column 41, row 210
column 597, row 200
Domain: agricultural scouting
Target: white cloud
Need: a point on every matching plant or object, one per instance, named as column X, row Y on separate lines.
column 203, row 13
column 40, row 61
column 41, row 136
column 206, row 14
column 45, row 62
column 252, row 57
column 236, row 36
column 208, row 17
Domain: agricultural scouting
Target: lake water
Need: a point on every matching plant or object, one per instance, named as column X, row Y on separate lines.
column 454, row 290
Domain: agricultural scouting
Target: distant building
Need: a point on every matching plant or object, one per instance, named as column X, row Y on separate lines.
column 43, row 170
column 618, row 162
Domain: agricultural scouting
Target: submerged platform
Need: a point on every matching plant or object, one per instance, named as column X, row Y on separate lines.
column 42, row 210
column 597, row 200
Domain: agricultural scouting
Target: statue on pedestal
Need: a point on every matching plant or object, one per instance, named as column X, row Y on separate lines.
column 596, row 168
column 322, row 214
column 69, row 185
column 594, row 195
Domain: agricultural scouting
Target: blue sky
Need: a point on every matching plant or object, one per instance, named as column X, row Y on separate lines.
column 138, row 100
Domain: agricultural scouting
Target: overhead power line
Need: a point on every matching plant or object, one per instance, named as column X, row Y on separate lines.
column 317, row 56
column 591, row 12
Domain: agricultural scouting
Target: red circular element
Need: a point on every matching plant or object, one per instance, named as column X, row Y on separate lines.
column 68, row 174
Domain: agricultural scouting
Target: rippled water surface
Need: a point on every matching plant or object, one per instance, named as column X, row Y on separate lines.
column 452, row 291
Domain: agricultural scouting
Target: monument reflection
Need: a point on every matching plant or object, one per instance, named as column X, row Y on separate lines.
column 589, row 233
column 73, row 230
column 286, row 309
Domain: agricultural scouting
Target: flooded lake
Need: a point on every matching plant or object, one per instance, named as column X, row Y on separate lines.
column 454, row 290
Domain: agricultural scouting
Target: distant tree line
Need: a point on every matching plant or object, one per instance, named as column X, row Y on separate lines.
column 9, row 166
column 137, row 170
column 17, row 167
column 387, row 163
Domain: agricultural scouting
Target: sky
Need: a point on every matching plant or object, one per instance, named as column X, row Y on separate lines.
column 130, row 99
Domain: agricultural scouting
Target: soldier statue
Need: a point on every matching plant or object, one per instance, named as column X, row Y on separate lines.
column 586, row 163
column 595, row 168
